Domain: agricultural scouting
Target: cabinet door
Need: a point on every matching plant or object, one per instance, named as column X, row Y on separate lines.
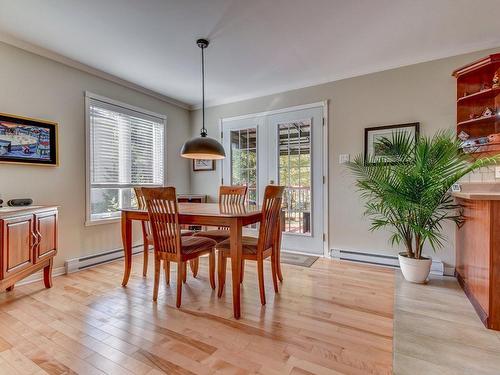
column 46, row 231
column 17, row 246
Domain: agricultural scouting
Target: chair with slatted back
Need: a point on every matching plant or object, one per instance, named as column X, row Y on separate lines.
column 228, row 195
column 169, row 245
column 258, row 248
column 147, row 236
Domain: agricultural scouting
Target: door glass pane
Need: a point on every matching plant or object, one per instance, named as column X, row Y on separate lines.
column 244, row 161
column 295, row 174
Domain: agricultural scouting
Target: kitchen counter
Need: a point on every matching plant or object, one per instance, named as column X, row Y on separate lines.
column 480, row 196
column 479, row 191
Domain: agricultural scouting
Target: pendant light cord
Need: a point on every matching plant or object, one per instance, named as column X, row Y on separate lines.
column 203, row 130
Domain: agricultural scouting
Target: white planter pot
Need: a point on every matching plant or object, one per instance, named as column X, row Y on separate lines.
column 415, row 270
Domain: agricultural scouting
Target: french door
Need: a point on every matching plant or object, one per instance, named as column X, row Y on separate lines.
column 285, row 148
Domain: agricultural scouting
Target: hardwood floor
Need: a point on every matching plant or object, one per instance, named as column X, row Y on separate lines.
column 437, row 331
column 332, row 318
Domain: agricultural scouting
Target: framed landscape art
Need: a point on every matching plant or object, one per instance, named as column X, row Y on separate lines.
column 28, row 141
column 203, row 165
column 375, row 134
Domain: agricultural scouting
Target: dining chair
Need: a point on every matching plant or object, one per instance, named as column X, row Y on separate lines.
column 169, row 245
column 228, row 195
column 147, row 236
column 261, row 247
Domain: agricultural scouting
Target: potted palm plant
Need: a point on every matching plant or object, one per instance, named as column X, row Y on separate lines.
column 408, row 192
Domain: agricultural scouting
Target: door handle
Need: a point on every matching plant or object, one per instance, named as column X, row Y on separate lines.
column 39, row 235
column 271, row 182
column 34, row 238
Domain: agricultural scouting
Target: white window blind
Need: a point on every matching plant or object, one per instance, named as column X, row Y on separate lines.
column 126, row 149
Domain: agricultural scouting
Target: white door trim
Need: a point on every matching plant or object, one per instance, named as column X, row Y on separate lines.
column 326, row 203
column 275, row 111
column 324, row 105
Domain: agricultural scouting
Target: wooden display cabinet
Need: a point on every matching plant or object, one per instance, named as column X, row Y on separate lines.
column 475, row 93
column 28, row 243
column 191, row 198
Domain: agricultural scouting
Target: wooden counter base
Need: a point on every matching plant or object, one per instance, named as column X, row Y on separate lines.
column 478, row 258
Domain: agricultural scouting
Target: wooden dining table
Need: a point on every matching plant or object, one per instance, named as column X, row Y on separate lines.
column 234, row 217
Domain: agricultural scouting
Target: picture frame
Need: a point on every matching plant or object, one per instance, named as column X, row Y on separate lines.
column 373, row 134
column 28, row 141
column 203, row 165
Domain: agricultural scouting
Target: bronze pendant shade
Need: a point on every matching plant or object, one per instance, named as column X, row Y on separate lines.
column 203, row 147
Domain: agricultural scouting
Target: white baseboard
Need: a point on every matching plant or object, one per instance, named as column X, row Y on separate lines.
column 319, row 255
column 78, row 264
column 37, row 276
column 437, row 267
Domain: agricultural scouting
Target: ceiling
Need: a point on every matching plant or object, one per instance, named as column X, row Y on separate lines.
column 258, row 47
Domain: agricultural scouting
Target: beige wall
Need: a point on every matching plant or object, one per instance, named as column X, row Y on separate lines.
column 423, row 92
column 37, row 87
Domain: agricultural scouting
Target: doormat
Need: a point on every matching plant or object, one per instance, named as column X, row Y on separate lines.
column 298, row 259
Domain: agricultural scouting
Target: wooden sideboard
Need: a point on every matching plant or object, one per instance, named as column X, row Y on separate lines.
column 478, row 254
column 28, row 243
column 191, row 198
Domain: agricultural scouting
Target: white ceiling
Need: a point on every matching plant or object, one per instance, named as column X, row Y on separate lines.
column 257, row 47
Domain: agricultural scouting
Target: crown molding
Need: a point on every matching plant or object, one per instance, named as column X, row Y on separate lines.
column 40, row 51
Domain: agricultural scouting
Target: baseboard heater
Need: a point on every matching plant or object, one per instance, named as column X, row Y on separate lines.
column 78, row 264
column 437, row 267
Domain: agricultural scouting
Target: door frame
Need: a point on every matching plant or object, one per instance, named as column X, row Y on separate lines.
column 325, row 161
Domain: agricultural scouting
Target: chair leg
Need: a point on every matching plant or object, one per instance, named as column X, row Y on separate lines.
column 260, row 272
column 157, row 279
column 278, row 256
column 184, row 272
column 211, row 268
column 222, row 272
column 274, row 271
column 242, row 273
column 194, row 265
column 180, row 271
column 145, row 259
column 146, row 250
column 166, row 267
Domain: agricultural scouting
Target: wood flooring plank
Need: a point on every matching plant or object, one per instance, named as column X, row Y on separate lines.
column 332, row 318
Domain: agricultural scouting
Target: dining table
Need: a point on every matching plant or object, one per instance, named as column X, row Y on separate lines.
column 232, row 216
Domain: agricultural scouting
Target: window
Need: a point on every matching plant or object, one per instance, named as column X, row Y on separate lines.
column 295, row 173
column 126, row 148
column 244, row 161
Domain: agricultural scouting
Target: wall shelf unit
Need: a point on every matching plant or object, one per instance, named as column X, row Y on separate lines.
column 476, row 92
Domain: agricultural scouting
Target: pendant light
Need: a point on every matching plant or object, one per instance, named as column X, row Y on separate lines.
column 203, row 147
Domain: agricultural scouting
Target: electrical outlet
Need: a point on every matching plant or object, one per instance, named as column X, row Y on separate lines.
column 344, row 158
column 497, row 172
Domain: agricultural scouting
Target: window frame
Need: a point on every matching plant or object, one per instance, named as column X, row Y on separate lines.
column 91, row 96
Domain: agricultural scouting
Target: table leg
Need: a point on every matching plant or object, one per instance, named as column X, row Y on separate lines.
column 127, row 246
column 236, row 249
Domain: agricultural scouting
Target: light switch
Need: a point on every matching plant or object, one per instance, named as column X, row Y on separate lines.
column 497, row 172
column 344, row 158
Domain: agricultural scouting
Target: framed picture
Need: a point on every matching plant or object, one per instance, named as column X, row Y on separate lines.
column 375, row 134
column 28, row 141
column 203, row 165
